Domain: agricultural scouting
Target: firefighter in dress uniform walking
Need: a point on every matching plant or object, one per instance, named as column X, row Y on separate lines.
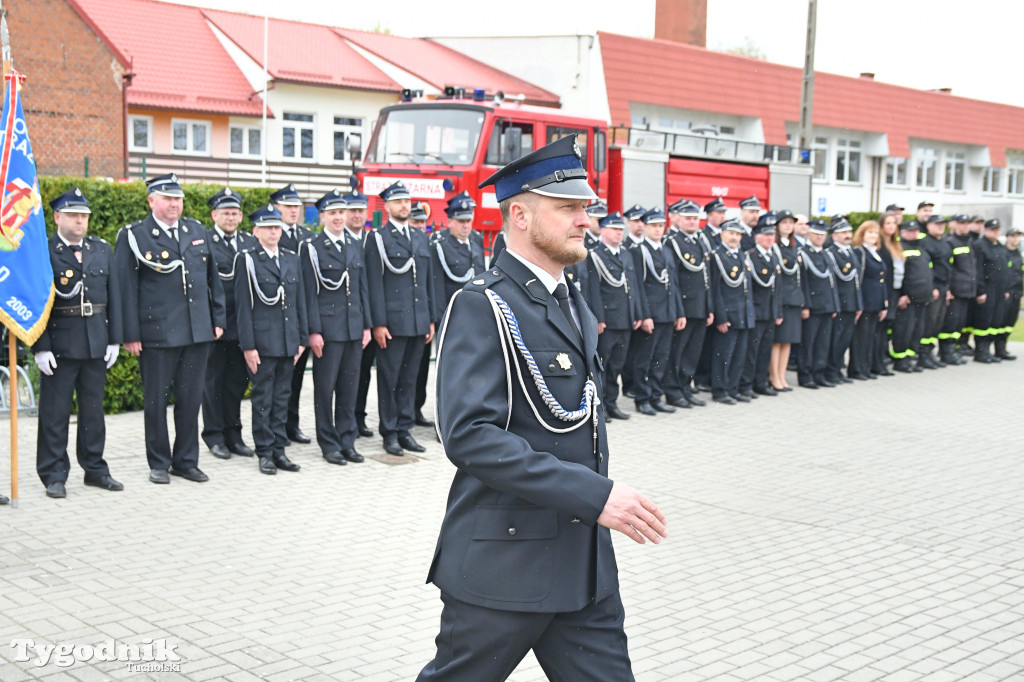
column 401, row 308
column 172, row 310
column 618, row 303
column 764, row 274
column 226, row 375
column 272, row 332
column 851, row 302
column 820, row 306
column 525, row 559
column 289, row 204
column 691, row 251
column 338, row 321
column 656, row 270
column 733, row 308
column 78, row 346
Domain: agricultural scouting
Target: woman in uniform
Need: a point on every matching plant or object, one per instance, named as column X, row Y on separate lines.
column 864, row 360
column 788, row 289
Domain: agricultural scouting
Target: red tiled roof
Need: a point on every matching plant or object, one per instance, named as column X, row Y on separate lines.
column 302, row 53
column 676, row 75
column 440, row 65
column 187, row 70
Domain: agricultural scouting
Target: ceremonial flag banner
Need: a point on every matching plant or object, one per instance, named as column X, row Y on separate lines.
column 26, row 278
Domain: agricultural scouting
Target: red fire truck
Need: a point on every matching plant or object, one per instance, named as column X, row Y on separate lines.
column 444, row 146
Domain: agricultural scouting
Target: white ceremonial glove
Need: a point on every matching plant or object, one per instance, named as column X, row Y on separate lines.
column 46, row 362
column 111, row 355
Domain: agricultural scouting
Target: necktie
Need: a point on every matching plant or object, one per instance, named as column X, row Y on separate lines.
column 174, row 234
column 77, row 250
column 562, row 296
column 230, row 239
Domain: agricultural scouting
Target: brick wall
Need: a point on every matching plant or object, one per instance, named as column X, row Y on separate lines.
column 72, row 98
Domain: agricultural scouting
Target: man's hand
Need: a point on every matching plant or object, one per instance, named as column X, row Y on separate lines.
column 133, row 347
column 711, row 319
column 366, row 337
column 252, row 359
column 805, row 313
column 600, row 327
column 935, row 294
column 778, row 321
column 633, row 515
column 110, row 357
column 316, row 344
column 981, row 299
column 722, row 328
column 46, row 362
column 903, row 302
column 381, row 335
column 680, row 324
column 636, row 324
column 883, row 313
column 647, row 325
column 218, row 332
column 298, row 355
column 856, row 318
column 430, row 334
column 949, row 296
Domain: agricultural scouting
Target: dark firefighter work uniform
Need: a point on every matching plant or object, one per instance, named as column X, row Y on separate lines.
column 963, row 285
column 918, row 287
column 941, row 254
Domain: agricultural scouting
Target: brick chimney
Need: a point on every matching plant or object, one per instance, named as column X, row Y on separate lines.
column 682, row 21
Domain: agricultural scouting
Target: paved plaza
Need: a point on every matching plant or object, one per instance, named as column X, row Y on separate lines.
column 868, row 532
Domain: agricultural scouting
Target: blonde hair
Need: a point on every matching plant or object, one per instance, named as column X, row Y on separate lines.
column 866, row 226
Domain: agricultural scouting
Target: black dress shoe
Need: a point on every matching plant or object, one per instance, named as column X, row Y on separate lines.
column 4, row 500
column 392, row 447
column 297, row 436
column 105, row 482
column 351, row 455
column 859, row 377
column 612, row 410
column 644, row 407
column 766, row 390
column 808, row 384
column 191, row 474
column 409, row 443
column 56, row 490
column 220, row 451
column 241, row 449
column 267, row 466
column 159, row 476
column 659, row 406
column 335, row 458
column 739, row 397
column 421, row 420
column 364, row 432
column 844, row 380
column 281, row 461
column 703, row 388
column 725, row 400
column 824, row 383
column 694, row 400
column 885, row 373
column 749, row 393
column 681, row 402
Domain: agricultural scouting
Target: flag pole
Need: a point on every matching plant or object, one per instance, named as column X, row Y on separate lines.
column 12, row 340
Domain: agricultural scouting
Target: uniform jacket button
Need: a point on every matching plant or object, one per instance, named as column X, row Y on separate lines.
column 551, row 367
column 511, row 531
column 575, row 520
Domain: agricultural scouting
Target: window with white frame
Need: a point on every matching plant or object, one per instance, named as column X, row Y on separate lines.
column 821, row 158
column 140, row 133
column 926, row 160
column 190, row 137
column 955, row 167
column 847, row 160
column 1015, row 175
column 348, row 135
column 896, row 172
column 992, row 181
column 246, row 140
column 297, row 136
column 784, row 153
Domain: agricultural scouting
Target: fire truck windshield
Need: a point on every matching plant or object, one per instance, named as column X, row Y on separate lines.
column 433, row 135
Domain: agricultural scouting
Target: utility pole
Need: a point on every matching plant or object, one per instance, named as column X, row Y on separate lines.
column 807, row 85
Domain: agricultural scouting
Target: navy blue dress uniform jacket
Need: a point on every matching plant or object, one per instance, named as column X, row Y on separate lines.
column 663, row 302
column 341, row 314
column 819, row 292
column 694, row 287
column 300, row 235
column 872, row 268
column 520, row 532
column 163, row 309
column 224, row 256
column 616, row 307
column 397, row 302
column 275, row 331
column 452, row 256
column 83, row 337
column 848, row 292
column 767, row 302
column 789, row 287
column 734, row 305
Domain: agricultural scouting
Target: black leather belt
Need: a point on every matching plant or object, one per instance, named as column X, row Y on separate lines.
column 85, row 310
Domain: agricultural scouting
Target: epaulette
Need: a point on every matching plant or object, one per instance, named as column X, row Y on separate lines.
column 286, row 250
column 485, row 280
column 94, row 238
column 193, row 221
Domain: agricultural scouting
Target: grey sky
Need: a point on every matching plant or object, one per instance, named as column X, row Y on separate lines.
column 968, row 46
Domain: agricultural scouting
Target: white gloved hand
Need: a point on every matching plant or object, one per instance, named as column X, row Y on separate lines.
column 46, row 362
column 111, row 355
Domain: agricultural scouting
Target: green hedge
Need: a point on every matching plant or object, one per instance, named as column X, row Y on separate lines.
column 113, row 206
